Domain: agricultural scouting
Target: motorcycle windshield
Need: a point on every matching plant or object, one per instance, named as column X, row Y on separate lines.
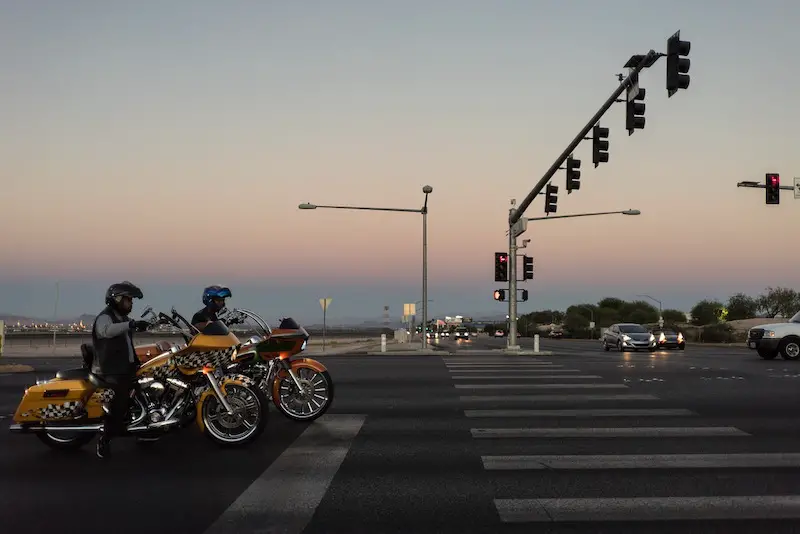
column 289, row 324
column 215, row 328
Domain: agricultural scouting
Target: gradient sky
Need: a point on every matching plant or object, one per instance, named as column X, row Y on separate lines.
column 170, row 143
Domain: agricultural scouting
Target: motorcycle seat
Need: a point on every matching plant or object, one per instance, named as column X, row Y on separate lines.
column 73, row 374
column 98, row 381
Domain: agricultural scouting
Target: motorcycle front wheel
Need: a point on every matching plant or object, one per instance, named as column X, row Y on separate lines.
column 310, row 404
column 249, row 419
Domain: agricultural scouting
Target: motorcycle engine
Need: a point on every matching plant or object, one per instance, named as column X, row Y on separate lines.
column 161, row 396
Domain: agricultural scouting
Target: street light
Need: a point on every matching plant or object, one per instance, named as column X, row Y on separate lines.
column 518, row 227
column 624, row 212
column 660, row 315
column 426, row 190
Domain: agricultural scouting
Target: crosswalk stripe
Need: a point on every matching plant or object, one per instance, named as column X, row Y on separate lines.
column 641, row 461
column 559, row 398
column 532, row 377
column 540, row 386
column 285, row 496
column 590, row 412
column 608, row 432
column 648, row 509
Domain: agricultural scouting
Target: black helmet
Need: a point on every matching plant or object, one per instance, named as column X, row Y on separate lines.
column 122, row 289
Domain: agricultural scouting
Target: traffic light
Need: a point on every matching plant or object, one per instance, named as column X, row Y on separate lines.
column 527, row 268
column 634, row 111
column 501, row 267
column 677, row 66
column 551, row 199
column 500, row 294
column 773, row 188
column 573, row 174
column 524, row 295
column 599, row 145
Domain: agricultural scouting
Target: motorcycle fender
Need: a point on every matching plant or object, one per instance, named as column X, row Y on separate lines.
column 296, row 364
column 239, row 380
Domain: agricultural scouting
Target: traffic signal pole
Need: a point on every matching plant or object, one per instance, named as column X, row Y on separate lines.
column 646, row 61
column 515, row 214
column 512, row 287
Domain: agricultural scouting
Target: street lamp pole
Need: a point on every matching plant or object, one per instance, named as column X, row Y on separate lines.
column 427, row 190
column 660, row 314
column 513, row 232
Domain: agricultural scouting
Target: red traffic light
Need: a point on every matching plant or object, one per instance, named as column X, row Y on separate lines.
column 774, row 179
column 496, row 295
column 503, row 259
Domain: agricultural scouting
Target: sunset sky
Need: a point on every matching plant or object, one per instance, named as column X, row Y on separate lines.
column 169, row 143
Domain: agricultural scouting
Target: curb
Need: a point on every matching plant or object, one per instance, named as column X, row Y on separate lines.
column 15, row 368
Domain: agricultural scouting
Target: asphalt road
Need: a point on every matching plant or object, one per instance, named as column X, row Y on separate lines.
column 457, row 443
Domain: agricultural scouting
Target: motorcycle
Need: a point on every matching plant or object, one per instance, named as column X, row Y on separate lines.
column 302, row 388
column 188, row 383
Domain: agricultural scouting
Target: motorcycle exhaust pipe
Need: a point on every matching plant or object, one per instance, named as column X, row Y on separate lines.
column 78, row 428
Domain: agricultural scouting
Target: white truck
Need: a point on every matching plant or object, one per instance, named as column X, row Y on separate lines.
column 769, row 340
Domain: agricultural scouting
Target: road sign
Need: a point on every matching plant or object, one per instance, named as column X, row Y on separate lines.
column 591, row 324
column 796, row 187
column 661, row 322
column 325, row 303
column 410, row 309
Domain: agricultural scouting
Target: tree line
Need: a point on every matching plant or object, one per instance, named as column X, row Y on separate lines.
column 709, row 318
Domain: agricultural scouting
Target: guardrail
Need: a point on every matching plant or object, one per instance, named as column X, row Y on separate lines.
column 68, row 338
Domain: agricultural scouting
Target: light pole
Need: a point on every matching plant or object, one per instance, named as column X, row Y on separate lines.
column 515, row 230
column 660, row 315
column 591, row 315
column 427, row 190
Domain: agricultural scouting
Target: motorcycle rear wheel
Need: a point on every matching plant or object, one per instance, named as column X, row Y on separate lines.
column 248, row 403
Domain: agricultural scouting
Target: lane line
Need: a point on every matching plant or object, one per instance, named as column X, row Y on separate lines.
column 517, row 371
column 284, row 498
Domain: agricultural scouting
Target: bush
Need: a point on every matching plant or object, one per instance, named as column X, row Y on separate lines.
column 721, row 333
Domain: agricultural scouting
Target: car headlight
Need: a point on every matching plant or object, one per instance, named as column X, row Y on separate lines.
column 626, row 338
column 652, row 338
column 769, row 333
column 662, row 337
column 680, row 338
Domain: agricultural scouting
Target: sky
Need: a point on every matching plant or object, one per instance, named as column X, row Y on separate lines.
column 170, row 143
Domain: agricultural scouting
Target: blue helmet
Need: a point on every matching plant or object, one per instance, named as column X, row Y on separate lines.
column 215, row 292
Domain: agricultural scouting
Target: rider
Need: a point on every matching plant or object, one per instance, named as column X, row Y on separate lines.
column 115, row 359
column 214, row 299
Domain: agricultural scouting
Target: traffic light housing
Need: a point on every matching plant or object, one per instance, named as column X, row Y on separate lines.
column 599, row 145
column 573, row 174
column 773, row 183
column 527, row 268
column 677, row 65
column 501, row 267
column 524, row 295
column 551, row 199
column 500, row 294
column 634, row 111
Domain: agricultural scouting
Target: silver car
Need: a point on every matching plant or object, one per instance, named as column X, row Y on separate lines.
column 628, row 336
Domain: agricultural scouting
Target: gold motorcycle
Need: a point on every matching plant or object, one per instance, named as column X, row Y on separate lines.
column 188, row 383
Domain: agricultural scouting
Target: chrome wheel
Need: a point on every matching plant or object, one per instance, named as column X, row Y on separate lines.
column 310, row 402
column 246, row 421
